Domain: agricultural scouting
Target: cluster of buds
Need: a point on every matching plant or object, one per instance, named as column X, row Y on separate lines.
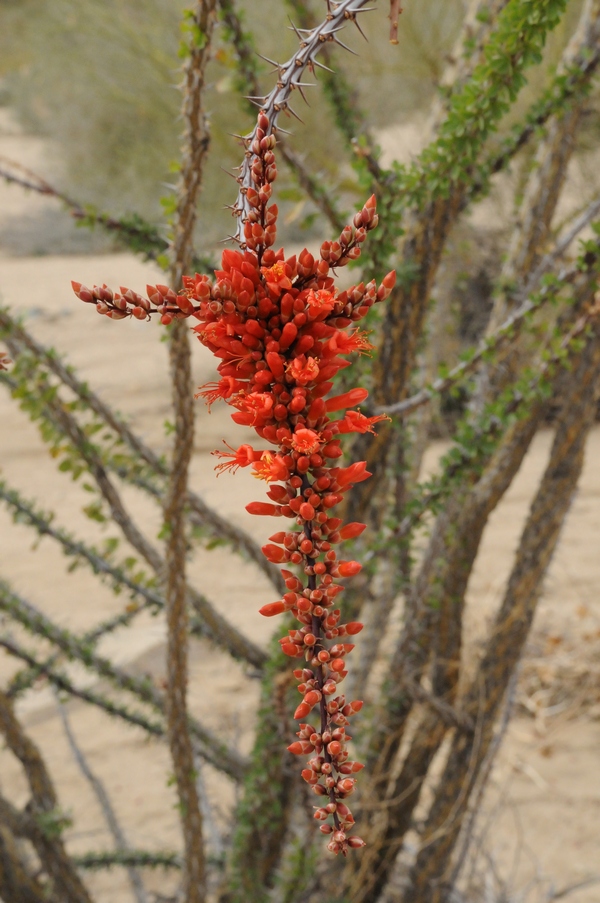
column 280, row 329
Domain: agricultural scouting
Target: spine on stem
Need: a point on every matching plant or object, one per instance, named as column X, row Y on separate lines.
column 282, row 332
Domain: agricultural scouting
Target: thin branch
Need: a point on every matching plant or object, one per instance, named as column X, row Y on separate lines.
column 149, row 597
column 342, row 95
column 395, row 10
column 131, row 230
column 423, row 204
column 222, row 632
column 571, row 888
column 508, row 331
column 513, row 622
column 200, row 513
column 126, row 858
column 63, row 682
column 201, row 21
column 490, row 427
column 16, row 884
column 565, row 87
column 212, row 749
column 103, row 798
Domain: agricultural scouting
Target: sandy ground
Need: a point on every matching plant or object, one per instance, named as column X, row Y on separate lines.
column 544, row 803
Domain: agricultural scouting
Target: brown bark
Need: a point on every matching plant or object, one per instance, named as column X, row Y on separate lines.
column 484, row 698
column 43, row 808
column 195, row 146
column 433, row 628
column 16, row 884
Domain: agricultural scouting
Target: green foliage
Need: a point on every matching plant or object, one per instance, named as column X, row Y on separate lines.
column 53, row 823
column 93, row 862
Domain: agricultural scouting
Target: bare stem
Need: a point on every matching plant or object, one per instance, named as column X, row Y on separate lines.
column 195, row 146
column 104, row 800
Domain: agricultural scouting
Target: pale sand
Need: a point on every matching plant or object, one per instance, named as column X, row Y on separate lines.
column 547, row 772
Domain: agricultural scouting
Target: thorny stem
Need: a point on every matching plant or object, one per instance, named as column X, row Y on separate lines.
column 217, row 627
column 247, row 67
column 290, row 77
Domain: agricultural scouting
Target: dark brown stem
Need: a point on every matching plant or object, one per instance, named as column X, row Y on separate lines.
column 45, row 809
column 316, row 627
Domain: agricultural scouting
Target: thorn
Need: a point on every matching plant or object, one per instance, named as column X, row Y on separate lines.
column 321, row 65
column 289, row 109
column 345, row 46
column 255, row 97
column 300, row 88
column 296, row 30
column 356, row 22
column 267, row 60
column 228, row 172
column 278, row 128
column 243, row 138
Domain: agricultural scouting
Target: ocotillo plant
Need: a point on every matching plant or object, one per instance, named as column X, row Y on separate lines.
column 282, row 331
column 278, row 326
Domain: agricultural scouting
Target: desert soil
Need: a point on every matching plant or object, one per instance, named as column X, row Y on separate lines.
column 544, row 802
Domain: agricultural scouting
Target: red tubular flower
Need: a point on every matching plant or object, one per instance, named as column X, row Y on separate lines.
column 356, row 473
column 270, row 467
column 347, row 400
column 355, row 422
column 305, row 441
column 278, row 329
column 240, row 457
column 303, row 370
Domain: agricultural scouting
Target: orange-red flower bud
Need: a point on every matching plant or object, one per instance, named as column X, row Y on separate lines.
column 355, row 842
column 354, row 627
column 301, row 748
column 302, row 711
column 351, row 531
column 263, row 508
column 272, row 608
column 349, row 569
column 275, row 554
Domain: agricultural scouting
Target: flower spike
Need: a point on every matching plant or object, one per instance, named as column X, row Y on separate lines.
column 280, row 329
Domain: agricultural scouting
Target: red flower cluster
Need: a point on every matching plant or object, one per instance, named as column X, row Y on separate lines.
column 278, row 326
